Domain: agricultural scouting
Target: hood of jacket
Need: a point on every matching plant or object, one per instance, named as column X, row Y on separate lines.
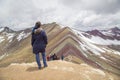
column 38, row 30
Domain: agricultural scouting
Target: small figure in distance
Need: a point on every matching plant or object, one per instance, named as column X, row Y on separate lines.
column 62, row 57
column 48, row 58
column 55, row 57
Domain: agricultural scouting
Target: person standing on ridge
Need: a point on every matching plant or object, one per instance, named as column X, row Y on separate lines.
column 39, row 42
column 62, row 57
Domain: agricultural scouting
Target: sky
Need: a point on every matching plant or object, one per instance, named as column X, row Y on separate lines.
column 79, row 14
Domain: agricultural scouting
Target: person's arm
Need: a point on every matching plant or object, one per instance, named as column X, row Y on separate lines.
column 32, row 40
column 45, row 37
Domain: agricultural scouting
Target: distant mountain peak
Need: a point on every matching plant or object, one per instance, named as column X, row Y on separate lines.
column 95, row 32
column 7, row 29
column 115, row 28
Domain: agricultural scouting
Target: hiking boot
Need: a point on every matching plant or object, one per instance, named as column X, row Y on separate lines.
column 39, row 67
column 45, row 66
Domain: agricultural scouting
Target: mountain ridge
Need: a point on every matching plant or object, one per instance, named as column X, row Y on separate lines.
column 73, row 44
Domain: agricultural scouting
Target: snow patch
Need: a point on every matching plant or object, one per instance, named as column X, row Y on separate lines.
column 93, row 48
column 116, row 52
column 22, row 35
column 83, row 46
column 108, row 33
column 112, row 51
column 103, row 58
column 1, row 57
column 10, row 36
column 1, row 39
column 1, row 29
column 99, row 40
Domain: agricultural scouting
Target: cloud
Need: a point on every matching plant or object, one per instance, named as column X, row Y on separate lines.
column 14, row 14
column 80, row 14
column 98, row 6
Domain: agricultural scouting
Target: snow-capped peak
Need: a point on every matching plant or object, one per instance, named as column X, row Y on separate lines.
column 6, row 29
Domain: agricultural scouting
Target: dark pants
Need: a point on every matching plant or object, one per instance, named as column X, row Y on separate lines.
column 38, row 59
